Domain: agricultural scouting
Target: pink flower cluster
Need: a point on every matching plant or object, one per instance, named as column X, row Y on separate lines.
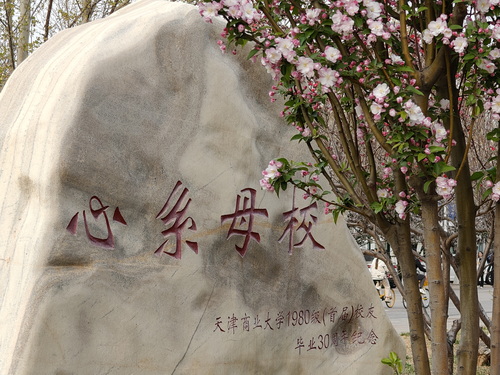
column 444, row 186
column 495, row 190
column 269, row 174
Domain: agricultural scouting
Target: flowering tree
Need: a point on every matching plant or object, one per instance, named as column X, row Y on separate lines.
column 386, row 95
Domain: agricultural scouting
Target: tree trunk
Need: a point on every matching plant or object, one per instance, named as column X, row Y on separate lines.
column 86, row 11
column 398, row 237
column 439, row 316
column 24, row 31
column 9, row 10
column 495, row 321
column 46, row 27
column 466, row 247
column 466, row 210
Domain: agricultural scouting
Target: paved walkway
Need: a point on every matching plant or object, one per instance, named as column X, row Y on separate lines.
column 399, row 319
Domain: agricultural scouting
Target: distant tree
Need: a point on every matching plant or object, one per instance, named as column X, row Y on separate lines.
column 24, row 25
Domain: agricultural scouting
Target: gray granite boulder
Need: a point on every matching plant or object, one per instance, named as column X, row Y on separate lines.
column 134, row 238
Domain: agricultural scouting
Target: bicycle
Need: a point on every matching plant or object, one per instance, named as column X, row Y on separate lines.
column 424, row 294
column 381, row 293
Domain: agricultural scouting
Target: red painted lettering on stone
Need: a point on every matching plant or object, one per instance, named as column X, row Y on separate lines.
column 300, row 344
column 358, row 313
column 280, row 319
column 218, row 322
column 292, row 218
column 243, row 217
column 172, row 214
column 256, row 323
column 372, row 337
column 312, row 345
column 97, row 209
column 369, row 314
column 246, row 323
column 231, row 323
column 268, row 324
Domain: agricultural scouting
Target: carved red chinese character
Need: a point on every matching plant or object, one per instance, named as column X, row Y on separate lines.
column 306, row 225
column 100, row 210
column 175, row 218
column 242, row 217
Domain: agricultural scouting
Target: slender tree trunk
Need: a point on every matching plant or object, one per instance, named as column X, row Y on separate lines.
column 24, row 31
column 495, row 321
column 9, row 10
column 399, row 238
column 46, row 27
column 466, row 240
column 466, row 210
column 439, row 316
column 87, row 11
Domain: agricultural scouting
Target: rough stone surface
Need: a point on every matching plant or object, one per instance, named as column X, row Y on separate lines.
column 107, row 119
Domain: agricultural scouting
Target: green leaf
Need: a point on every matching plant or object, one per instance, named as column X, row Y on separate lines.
column 252, row 53
column 442, row 167
column 393, row 356
column 386, row 361
column 414, row 90
column 426, row 186
column 421, row 156
column 377, row 207
column 477, row 175
column 494, row 135
column 404, row 68
column 435, row 149
column 336, row 214
column 469, row 56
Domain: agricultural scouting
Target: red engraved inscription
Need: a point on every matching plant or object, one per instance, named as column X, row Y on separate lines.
column 97, row 209
column 173, row 215
column 308, row 220
column 243, row 217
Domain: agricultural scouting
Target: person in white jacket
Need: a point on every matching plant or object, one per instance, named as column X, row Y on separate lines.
column 379, row 272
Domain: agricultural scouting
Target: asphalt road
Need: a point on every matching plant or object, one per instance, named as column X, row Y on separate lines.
column 399, row 319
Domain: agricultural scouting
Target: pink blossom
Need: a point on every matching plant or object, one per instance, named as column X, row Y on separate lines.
column 444, row 186
column 305, row 66
column 437, row 27
column 439, row 131
column 381, row 91
column 383, row 193
column 483, row 6
column 332, row 54
column 313, row 15
column 266, row 185
column 459, row 44
column 373, row 9
column 401, row 208
column 273, row 55
column 376, row 27
column 327, row 77
column 494, row 54
column 496, row 189
column 342, row 23
column 487, row 65
column 376, row 108
column 209, row 10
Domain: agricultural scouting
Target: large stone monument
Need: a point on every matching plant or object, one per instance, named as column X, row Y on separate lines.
column 134, row 238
